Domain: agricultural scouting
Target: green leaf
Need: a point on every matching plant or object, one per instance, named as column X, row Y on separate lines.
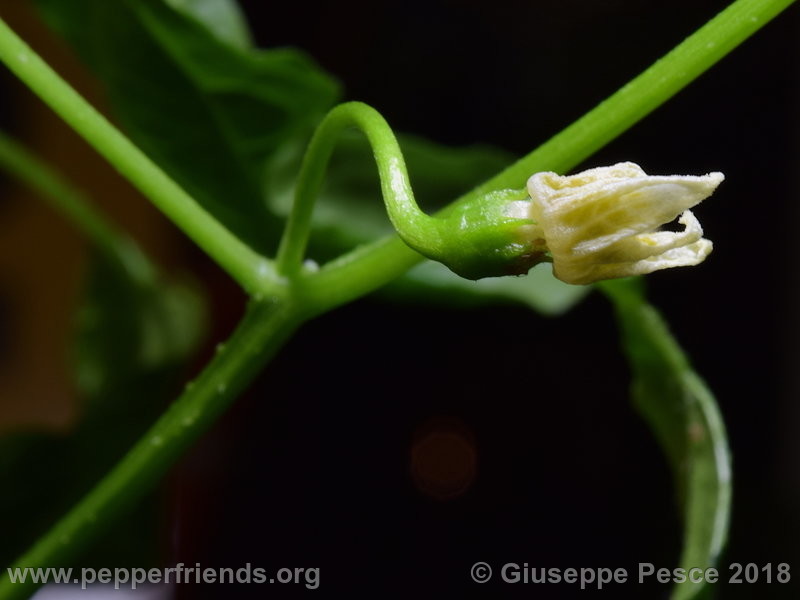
column 685, row 418
column 206, row 109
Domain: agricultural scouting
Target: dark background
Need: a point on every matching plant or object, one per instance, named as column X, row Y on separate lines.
column 335, row 458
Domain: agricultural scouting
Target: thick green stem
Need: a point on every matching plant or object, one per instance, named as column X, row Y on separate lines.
column 414, row 226
column 267, row 325
column 355, row 274
column 250, row 269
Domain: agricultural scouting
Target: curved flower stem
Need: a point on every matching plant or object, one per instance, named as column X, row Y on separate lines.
column 413, row 225
column 266, row 326
column 250, row 269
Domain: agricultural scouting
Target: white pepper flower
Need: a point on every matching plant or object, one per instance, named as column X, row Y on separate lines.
column 603, row 223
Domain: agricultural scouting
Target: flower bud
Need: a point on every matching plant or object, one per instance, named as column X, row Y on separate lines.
column 603, row 223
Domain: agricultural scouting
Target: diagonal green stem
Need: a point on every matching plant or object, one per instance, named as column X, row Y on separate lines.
column 250, row 269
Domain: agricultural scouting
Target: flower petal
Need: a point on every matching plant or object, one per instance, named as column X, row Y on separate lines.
column 604, row 222
column 601, row 213
column 684, row 256
column 645, row 245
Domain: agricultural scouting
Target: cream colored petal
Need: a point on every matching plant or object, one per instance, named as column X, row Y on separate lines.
column 548, row 183
column 683, row 256
column 601, row 215
column 603, row 222
column 644, row 245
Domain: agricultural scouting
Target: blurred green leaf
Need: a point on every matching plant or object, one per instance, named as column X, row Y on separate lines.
column 132, row 323
column 538, row 289
column 223, row 18
column 134, row 334
column 685, row 418
column 206, row 108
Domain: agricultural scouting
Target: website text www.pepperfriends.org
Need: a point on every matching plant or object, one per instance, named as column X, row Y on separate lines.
column 180, row 573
